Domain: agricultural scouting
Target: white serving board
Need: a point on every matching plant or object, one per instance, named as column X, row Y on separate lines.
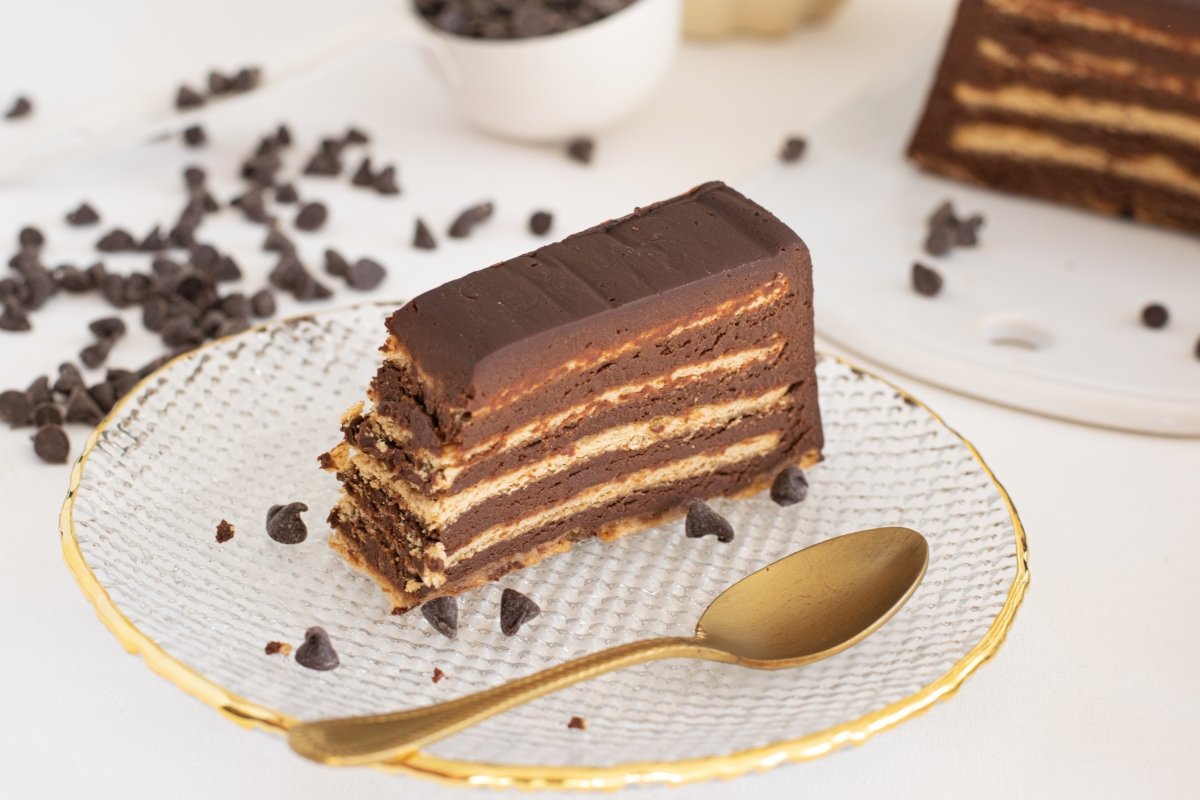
column 1069, row 283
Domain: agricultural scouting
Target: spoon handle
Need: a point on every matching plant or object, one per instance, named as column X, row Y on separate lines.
column 383, row 737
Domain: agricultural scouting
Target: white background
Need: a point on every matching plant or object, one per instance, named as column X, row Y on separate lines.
column 1094, row 694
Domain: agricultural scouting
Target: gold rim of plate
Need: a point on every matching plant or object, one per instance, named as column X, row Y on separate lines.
column 249, row 714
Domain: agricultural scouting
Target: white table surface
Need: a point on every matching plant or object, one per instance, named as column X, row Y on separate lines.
column 1094, row 695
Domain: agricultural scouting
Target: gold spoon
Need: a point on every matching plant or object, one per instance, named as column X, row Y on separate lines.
column 805, row 607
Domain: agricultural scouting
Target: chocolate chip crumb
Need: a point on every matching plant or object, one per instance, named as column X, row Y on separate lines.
column 365, row 275
column 423, row 237
column 703, row 521
column 790, row 487
column 117, row 240
column 83, row 215
column 311, row 216
column 51, row 444
column 1155, row 315
column 442, row 614
column 225, row 531
column 282, row 648
column 515, row 610
column 317, row 651
column 21, row 107
column 925, row 281
column 577, row 724
column 438, row 675
column 581, row 149
column 793, row 149
column 465, row 222
column 194, row 136
column 325, row 461
column 284, row 524
column 15, row 408
column 540, row 223
column 187, row 97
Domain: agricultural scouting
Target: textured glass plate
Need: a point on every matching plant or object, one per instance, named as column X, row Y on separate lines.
column 236, row 427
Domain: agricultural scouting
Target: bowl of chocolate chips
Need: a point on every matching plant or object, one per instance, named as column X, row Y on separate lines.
column 547, row 70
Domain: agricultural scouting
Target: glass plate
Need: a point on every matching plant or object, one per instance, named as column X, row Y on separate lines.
column 235, row 427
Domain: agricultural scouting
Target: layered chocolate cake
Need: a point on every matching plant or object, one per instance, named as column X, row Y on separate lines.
column 1090, row 102
column 592, row 387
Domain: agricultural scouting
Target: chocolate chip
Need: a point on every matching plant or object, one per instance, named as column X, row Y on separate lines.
column 515, row 610
column 181, row 332
column 47, row 414
column 941, row 239
column 95, row 354
column 790, row 487
column 51, row 444
column 253, row 207
column 365, row 275
column 438, row 675
column 217, row 83
column 69, row 379
column 15, row 408
column 122, row 381
column 356, row 136
column 153, row 366
column 335, row 264
column 72, row 279
column 581, row 150
column 194, row 178
column 284, row 524
column 317, row 651
column 967, row 231
column 286, row 193
column 385, row 181
column 577, row 724
column 323, row 163
column 116, row 240
column 703, row 521
column 155, row 314
column 793, row 149
column 194, row 136
column 442, row 614
column 311, row 216
column 187, row 97
column 283, row 135
column 236, row 305
column 465, row 222
column 13, row 317
column 277, row 241
column 231, row 326
column 1155, row 315
column 262, row 303
column 226, row 269
column 105, row 396
column 246, row 79
column 534, row 19
column 926, row 281
column 225, row 531
column 1196, row 349
column 82, row 407
column 30, row 238
column 39, row 392
column 540, row 223
column 212, row 321
column 423, row 237
column 21, row 107
column 363, row 176
column 107, row 327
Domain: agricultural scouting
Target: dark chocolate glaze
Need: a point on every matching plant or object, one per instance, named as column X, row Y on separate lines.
column 489, row 333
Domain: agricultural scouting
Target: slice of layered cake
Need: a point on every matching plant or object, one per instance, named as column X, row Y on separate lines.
column 1089, row 102
column 590, row 388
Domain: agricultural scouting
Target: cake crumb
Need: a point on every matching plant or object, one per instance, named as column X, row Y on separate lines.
column 225, row 531
column 577, row 724
column 438, row 674
column 282, row 648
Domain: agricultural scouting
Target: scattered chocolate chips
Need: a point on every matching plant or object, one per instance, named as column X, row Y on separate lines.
column 385, row 181
column 581, row 150
column 515, row 610
column 286, row 194
column 51, row 444
column 540, row 223
column 284, row 524
column 514, row 19
column 1155, row 315
column 793, row 149
column 423, row 237
column 107, row 327
column 15, row 408
column 703, row 521
column 225, row 531
column 187, row 97
column 21, row 107
column 194, row 136
column 311, row 216
column 438, row 675
column 117, row 240
column 83, row 215
column 926, row 282
column 281, row 648
column 442, row 614
column 317, row 651
column 577, row 724
column 365, row 275
column 466, row 221
column 790, row 487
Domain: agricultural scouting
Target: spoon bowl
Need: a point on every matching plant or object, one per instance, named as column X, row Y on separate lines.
column 805, row 607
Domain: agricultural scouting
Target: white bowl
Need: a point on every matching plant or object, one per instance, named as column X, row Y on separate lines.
column 548, row 88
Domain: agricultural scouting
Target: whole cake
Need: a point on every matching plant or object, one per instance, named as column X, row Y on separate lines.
column 592, row 387
column 1090, row 102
